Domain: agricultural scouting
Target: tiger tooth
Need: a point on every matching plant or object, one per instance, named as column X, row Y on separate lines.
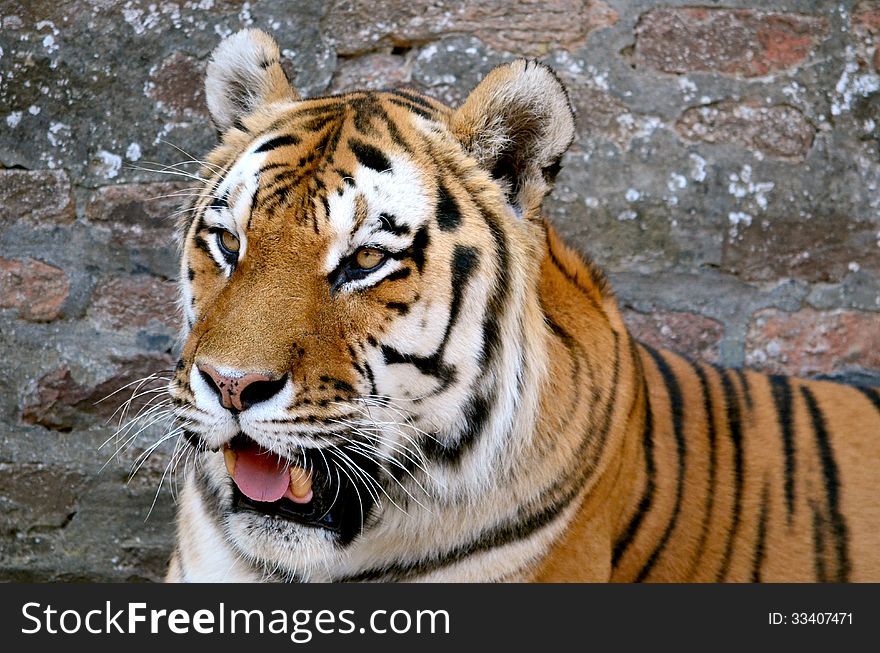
column 300, row 482
column 229, row 456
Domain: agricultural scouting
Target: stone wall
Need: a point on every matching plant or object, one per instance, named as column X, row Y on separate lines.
column 725, row 175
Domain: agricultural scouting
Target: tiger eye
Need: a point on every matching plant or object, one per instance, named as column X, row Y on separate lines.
column 369, row 257
column 230, row 242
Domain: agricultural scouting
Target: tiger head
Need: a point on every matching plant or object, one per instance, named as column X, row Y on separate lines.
column 364, row 343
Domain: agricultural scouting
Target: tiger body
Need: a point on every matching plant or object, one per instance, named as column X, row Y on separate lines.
column 372, row 296
column 716, row 475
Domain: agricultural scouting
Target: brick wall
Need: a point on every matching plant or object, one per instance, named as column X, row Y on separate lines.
column 725, row 175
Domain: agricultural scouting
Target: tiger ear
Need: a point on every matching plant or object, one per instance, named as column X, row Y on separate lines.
column 517, row 123
column 243, row 74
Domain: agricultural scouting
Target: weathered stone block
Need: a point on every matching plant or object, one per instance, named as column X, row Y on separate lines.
column 371, row 71
column 35, row 497
column 693, row 335
column 177, row 87
column 133, row 302
column 809, row 342
column 821, row 248
column 529, row 27
column 779, row 131
column 40, row 197
column 60, row 402
column 744, row 42
column 37, row 290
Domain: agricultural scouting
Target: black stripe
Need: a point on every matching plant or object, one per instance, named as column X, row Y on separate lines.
column 428, row 365
column 448, row 215
column 216, row 510
column 239, row 125
column 366, row 109
column 647, row 500
column 325, row 204
column 572, row 278
column 219, row 203
column 413, row 97
column 872, row 395
column 476, row 413
column 195, row 441
column 389, row 223
column 252, row 208
column 400, row 307
column 346, row 177
column 279, row 141
column 676, row 407
column 746, row 389
column 832, row 485
column 400, row 273
column 758, row 557
column 479, row 406
column 819, row 545
column 333, row 141
column 419, row 246
column 574, row 380
column 370, row 377
column 202, row 244
column 734, row 425
column 351, row 354
column 273, row 166
column 409, row 106
column 338, row 384
column 394, row 132
column 782, row 400
column 595, row 435
column 464, row 262
column 582, row 462
column 509, row 531
column 369, row 156
column 319, row 122
column 500, row 295
column 709, row 409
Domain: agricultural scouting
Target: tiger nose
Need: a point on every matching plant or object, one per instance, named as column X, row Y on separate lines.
column 238, row 392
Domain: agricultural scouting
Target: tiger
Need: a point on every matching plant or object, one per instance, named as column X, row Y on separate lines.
column 394, row 369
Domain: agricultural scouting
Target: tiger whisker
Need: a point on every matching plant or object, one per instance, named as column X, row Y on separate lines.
column 416, row 451
column 370, row 481
column 409, row 423
column 124, row 408
column 156, row 402
column 354, row 485
column 181, row 192
column 176, row 173
column 162, row 415
column 154, row 375
column 418, row 461
column 142, row 458
column 396, row 427
column 396, row 463
column 146, row 410
column 192, row 158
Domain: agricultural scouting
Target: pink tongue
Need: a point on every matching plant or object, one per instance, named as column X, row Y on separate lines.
column 260, row 476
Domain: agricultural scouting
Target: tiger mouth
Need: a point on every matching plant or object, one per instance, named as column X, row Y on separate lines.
column 307, row 491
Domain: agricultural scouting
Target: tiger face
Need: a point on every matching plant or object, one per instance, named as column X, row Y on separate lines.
column 358, row 280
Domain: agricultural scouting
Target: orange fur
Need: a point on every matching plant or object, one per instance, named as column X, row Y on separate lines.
column 716, row 536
